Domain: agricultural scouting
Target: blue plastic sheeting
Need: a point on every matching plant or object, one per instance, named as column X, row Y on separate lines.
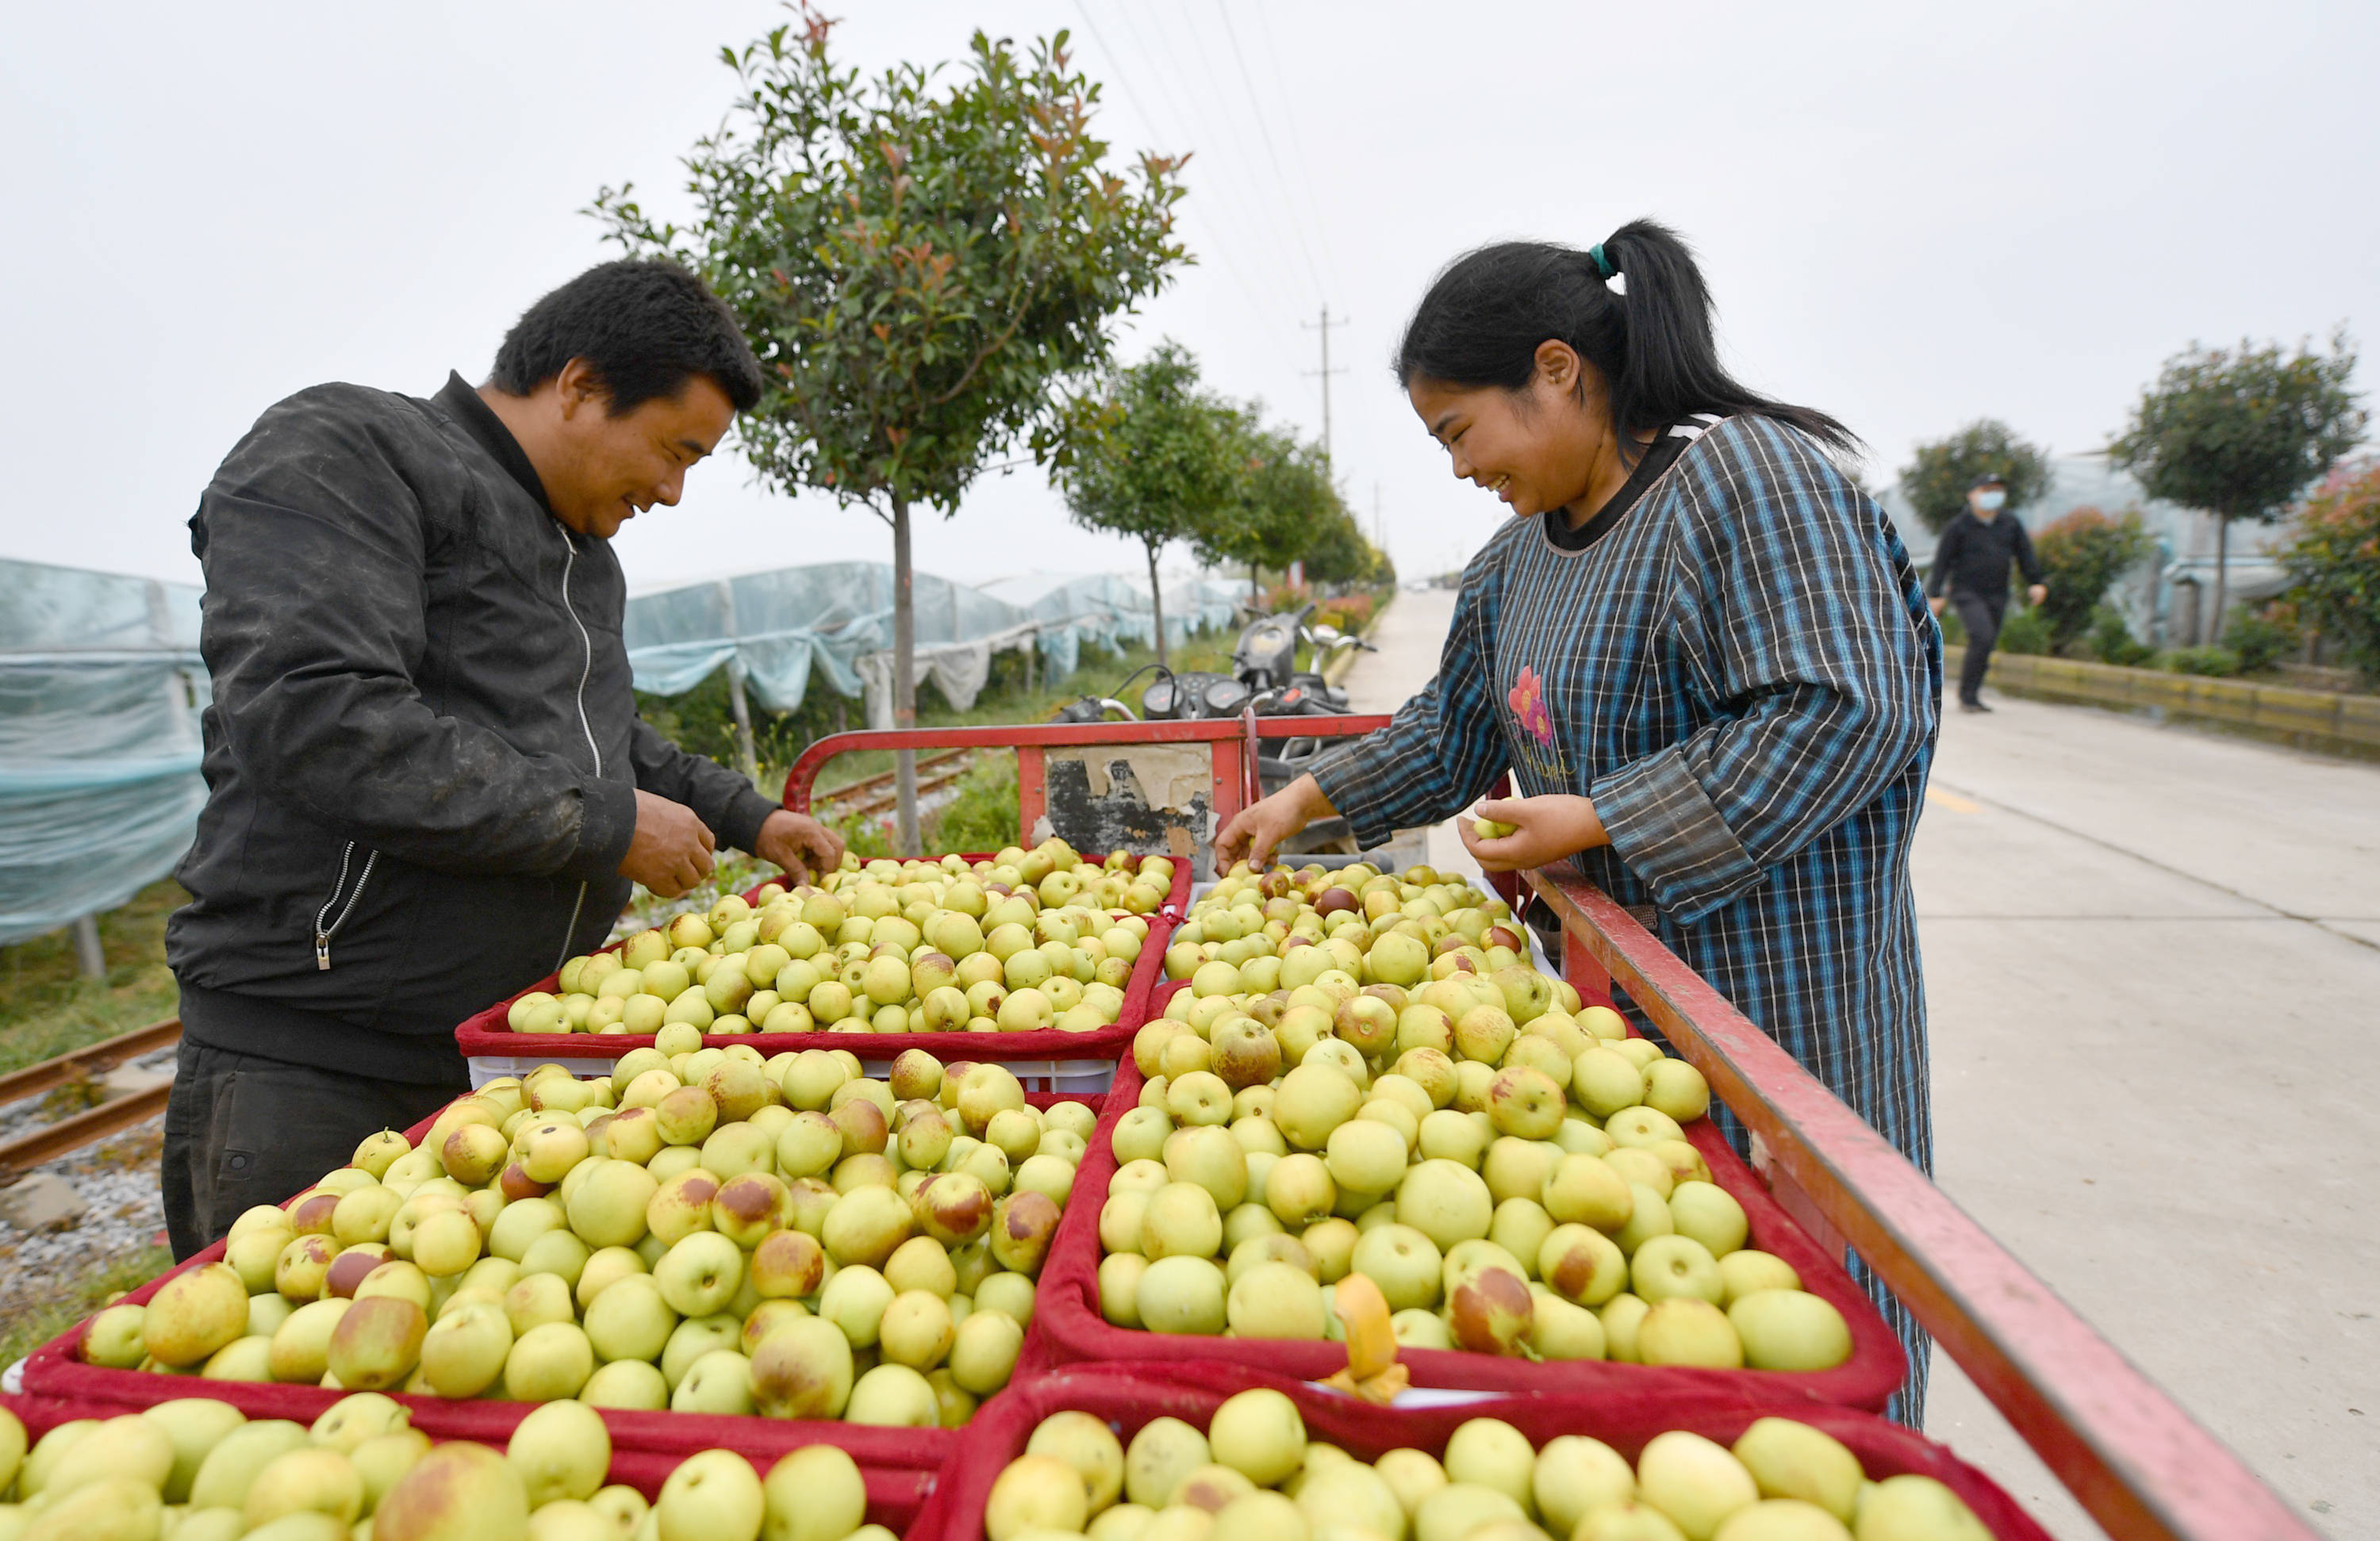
column 101, row 687
column 828, row 620
column 1077, row 608
column 1110, row 611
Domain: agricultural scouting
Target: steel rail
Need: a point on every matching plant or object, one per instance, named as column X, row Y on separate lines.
column 884, row 800
column 850, row 790
column 104, row 1055
column 27, row 1151
column 2142, row 1467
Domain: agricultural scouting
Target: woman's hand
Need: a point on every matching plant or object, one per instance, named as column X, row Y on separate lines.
column 1545, row 830
column 1257, row 829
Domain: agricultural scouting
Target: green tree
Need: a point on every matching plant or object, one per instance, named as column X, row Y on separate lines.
column 2081, row 555
column 2336, row 559
column 2241, row 434
column 925, row 270
column 1337, row 553
column 1283, row 496
column 1158, row 467
column 1936, row 483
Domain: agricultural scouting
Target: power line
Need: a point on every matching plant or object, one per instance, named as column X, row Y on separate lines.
column 1286, row 213
column 1260, row 219
column 1296, row 142
column 1198, row 209
column 1263, row 132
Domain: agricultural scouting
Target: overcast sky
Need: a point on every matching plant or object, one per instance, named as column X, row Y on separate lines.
column 1911, row 215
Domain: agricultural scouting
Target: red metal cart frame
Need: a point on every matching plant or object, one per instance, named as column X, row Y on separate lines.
column 2144, row 1468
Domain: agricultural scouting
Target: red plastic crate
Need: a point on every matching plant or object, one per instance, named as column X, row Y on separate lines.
column 1128, row 1396
column 896, row 1494
column 898, row 1462
column 1069, row 1327
column 484, row 1035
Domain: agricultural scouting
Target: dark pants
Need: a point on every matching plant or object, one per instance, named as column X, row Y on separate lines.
column 1981, row 616
column 242, row 1131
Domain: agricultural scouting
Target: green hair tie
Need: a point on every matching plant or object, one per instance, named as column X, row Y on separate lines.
column 1603, row 265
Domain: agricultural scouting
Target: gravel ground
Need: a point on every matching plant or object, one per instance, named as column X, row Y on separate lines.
column 117, row 1178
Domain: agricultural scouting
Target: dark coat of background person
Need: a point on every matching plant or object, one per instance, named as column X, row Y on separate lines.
column 1970, row 561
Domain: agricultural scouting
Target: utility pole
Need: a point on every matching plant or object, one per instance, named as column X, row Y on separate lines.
column 1326, row 371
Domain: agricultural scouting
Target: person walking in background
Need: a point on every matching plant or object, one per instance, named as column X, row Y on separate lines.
column 1971, row 562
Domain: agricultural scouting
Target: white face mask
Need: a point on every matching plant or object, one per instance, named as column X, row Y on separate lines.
column 1990, row 502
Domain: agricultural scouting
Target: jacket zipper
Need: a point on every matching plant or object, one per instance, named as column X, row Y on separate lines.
column 569, row 561
column 325, row 927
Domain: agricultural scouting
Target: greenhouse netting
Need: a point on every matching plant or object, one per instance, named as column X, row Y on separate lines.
column 777, row 628
column 101, row 686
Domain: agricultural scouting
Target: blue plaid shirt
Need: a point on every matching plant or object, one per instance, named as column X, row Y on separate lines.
column 1744, row 677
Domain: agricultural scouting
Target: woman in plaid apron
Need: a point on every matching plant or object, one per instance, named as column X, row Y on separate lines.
column 1699, row 649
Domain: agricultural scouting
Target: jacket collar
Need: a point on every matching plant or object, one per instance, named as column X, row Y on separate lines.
column 479, row 420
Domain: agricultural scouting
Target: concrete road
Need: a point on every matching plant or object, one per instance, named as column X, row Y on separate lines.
column 2153, row 959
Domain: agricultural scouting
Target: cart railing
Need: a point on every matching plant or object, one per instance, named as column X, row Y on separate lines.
column 2139, row 1464
column 1231, row 741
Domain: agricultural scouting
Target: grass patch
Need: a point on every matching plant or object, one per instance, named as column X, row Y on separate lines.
column 48, row 1008
column 74, row 1299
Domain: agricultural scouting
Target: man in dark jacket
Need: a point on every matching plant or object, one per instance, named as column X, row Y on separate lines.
column 429, row 786
column 1971, row 562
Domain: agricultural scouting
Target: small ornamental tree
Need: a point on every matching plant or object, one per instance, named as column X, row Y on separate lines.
column 1337, row 553
column 1157, row 466
column 926, row 268
column 1937, row 481
column 2081, row 555
column 1281, row 498
column 2241, row 434
column 2336, row 559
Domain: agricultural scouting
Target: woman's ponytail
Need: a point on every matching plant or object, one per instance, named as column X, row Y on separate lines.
column 1633, row 306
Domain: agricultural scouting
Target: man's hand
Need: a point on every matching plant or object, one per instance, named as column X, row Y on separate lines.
column 1545, row 830
column 2037, row 593
column 670, row 850
column 1257, row 829
column 1936, row 604
column 799, row 844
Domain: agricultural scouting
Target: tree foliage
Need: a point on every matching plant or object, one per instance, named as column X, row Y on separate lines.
column 919, row 269
column 1936, row 480
column 2336, row 557
column 926, row 269
column 2240, row 434
column 1283, row 496
column 1338, row 553
column 2081, row 555
column 1155, row 461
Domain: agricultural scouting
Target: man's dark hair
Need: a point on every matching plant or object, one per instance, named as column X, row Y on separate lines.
column 644, row 325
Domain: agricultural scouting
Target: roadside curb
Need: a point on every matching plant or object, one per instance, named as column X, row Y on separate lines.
column 2322, row 719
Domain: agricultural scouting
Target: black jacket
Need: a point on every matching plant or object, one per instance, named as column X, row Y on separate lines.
column 1972, row 555
column 423, row 752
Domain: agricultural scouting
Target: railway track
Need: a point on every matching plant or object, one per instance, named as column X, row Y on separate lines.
column 876, row 794
column 26, row 1151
